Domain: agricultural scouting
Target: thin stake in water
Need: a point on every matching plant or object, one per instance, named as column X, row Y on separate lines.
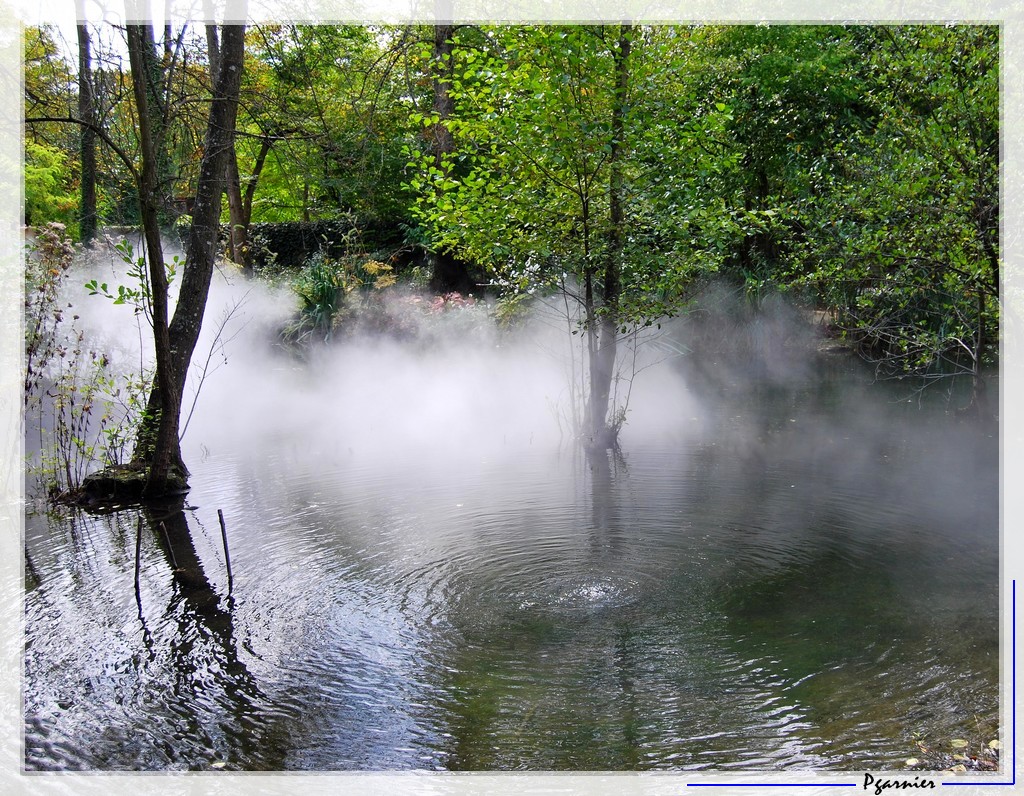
column 170, row 547
column 224, row 537
column 138, row 564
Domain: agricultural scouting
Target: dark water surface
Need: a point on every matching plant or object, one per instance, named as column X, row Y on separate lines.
column 807, row 577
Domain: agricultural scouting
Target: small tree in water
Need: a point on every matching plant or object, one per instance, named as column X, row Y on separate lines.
column 572, row 180
column 541, row 204
column 157, row 449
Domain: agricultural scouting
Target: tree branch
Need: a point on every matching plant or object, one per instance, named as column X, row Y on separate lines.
column 99, row 131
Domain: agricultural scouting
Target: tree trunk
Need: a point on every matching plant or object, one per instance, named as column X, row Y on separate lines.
column 447, row 273
column 87, row 113
column 604, row 431
column 200, row 254
column 238, row 223
column 241, row 217
column 165, row 453
column 250, row 187
column 154, row 75
column 441, row 142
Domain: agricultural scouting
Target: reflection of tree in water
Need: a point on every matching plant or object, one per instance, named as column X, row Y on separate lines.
column 609, row 475
column 217, row 700
column 559, row 677
column 607, row 468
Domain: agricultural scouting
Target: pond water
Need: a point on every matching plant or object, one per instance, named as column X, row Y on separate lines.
column 774, row 574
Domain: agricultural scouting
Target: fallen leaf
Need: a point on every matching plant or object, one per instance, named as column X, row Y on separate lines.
column 958, row 743
column 995, row 744
column 913, row 761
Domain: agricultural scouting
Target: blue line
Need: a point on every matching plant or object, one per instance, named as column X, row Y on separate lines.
column 771, row 785
column 1013, row 695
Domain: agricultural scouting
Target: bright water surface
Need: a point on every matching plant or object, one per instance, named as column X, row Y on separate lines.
column 807, row 577
column 690, row 606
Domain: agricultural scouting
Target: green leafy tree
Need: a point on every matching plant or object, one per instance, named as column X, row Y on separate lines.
column 49, row 186
column 544, row 186
column 793, row 92
column 904, row 245
column 51, row 162
column 321, row 129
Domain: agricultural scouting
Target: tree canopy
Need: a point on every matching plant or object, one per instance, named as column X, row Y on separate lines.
column 855, row 167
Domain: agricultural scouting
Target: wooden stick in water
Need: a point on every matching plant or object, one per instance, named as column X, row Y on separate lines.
column 170, row 547
column 224, row 537
column 138, row 563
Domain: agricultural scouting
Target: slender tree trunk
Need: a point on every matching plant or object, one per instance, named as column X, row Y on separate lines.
column 238, row 237
column 200, row 253
column 603, row 432
column 593, row 415
column 240, row 234
column 166, row 452
column 200, row 256
column 238, row 223
column 441, row 142
column 87, row 113
column 250, row 187
column 154, row 75
column 978, row 403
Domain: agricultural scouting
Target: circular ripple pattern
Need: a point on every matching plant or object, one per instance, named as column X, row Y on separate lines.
column 711, row 605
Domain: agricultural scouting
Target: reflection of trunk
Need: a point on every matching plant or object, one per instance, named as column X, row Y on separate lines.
column 606, row 466
column 87, row 113
column 600, row 494
column 205, row 650
column 608, row 541
column 154, row 446
column 173, row 537
column 603, row 430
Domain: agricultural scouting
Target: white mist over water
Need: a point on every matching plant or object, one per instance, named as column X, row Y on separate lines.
column 455, row 390
column 456, row 387
column 413, row 536
column 374, row 397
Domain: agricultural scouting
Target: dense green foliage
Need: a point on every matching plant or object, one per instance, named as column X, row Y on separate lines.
column 854, row 167
column 321, row 128
column 50, row 149
column 905, row 244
